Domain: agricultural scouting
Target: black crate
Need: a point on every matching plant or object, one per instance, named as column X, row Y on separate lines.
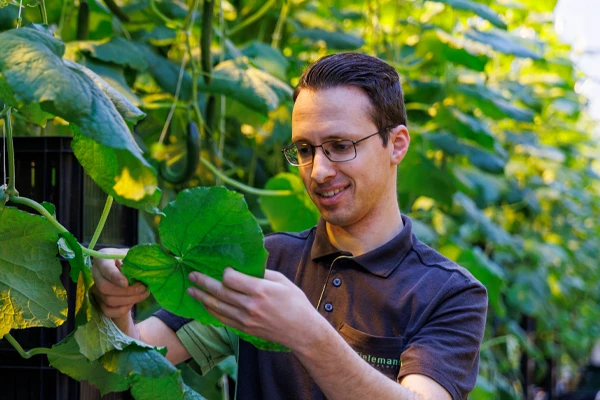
column 47, row 170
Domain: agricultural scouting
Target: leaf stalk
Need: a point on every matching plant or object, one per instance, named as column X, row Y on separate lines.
column 103, row 217
column 262, row 11
column 42, row 211
column 241, row 186
column 11, row 190
column 39, row 350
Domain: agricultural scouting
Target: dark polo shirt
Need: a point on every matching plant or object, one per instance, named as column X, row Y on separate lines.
column 403, row 307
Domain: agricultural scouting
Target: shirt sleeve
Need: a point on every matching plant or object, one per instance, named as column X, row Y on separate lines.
column 208, row 345
column 446, row 348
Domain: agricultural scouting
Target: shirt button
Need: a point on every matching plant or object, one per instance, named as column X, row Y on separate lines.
column 337, row 282
column 328, row 307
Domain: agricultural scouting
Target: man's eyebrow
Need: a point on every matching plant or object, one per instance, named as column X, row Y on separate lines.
column 330, row 136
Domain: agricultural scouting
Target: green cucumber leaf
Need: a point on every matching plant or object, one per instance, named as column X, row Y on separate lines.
column 479, row 157
column 3, row 196
column 76, row 258
column 479, row 9
column 32, row 71
column 67, row 358
column 81, row 274
column 50, row 208
column 289, row 213
column 333, row 39
column 443, row 47
column 206, row 230
column 466, row 126
column 486, row 271
column 492, row 103
column 113, row 75
column 31, row 293
column 166, row 73
column 100, row 336
column 267, row 58
column 139, row 367
column 116, row 50
column 494, row 233
column 419, row 176
column 250, row 86
column 503, row 42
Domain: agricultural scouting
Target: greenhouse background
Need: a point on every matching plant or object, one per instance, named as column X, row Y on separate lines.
column 503, row 173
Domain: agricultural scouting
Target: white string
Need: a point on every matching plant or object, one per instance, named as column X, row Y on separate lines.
column 19, row 18
column 4, row 153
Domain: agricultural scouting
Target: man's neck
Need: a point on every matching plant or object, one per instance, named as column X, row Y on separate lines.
column 361, row 238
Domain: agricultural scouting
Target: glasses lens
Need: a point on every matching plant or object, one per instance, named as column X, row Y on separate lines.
column 291, row 154
column 340, row 150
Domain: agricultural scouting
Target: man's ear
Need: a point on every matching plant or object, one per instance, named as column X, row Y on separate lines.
column 399, row 142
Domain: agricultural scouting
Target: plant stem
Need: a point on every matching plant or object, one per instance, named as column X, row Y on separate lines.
column 11, row 190
column 39, row 350
column 169, row 22
column 493, row 342
column 97, row 254
column 241, row 186
column 41, row 210
column 193, row 66
column 262, row 11
column 42, row 5
column 280, row 23
column 103, row 217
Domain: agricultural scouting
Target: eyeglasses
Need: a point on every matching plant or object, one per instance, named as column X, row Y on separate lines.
column 337, row 150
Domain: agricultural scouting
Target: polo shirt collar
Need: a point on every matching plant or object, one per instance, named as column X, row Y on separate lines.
column 381, row 261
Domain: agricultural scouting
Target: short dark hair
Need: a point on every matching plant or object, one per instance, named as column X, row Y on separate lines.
column 379, row 80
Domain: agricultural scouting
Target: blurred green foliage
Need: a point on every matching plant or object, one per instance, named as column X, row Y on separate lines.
column 501, row 176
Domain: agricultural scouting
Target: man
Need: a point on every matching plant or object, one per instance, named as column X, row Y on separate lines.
column 366, row 309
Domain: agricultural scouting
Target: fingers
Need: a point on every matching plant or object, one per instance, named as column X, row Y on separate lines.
column 216, row 307
column 241, row 282
column 119, row 301
column 217, row 289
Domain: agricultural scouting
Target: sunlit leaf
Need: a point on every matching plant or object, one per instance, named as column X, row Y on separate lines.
column 31, row 293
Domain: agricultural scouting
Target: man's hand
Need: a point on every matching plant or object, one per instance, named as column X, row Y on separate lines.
column 272, row 308
column 114, row 294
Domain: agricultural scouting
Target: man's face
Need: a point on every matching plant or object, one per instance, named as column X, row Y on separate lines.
column 344, row 192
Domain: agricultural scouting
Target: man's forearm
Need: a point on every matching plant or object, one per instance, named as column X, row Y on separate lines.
column 341, row 374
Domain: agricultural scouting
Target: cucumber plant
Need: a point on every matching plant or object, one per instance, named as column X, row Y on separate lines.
column 203, row 229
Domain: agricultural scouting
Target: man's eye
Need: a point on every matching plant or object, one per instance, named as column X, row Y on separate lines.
column 341, row 147
column 304, row 151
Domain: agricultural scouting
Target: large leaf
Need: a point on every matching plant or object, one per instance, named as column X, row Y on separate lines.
column 333, row 39
column 206, row 230
column 490, row 274
column 419, row 176
column 267, row 58
column 31, row 293
column 493, row 103
column 32, row 71
column 503, row 42
column 67, row 358
column 250, row 86
column 100, row 336
column 466, row 126
column 137, row 366
column 494, row 233
column 442, row 47
column 116, row 50
column 113, row 75
column 166, row 73
column 480, row 9
column 479, row 157
column 289, row 213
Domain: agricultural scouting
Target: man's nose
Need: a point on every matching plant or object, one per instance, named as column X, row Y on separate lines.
column 322, row 168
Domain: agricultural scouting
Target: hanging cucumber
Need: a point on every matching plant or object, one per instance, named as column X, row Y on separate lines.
column 193, row 146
